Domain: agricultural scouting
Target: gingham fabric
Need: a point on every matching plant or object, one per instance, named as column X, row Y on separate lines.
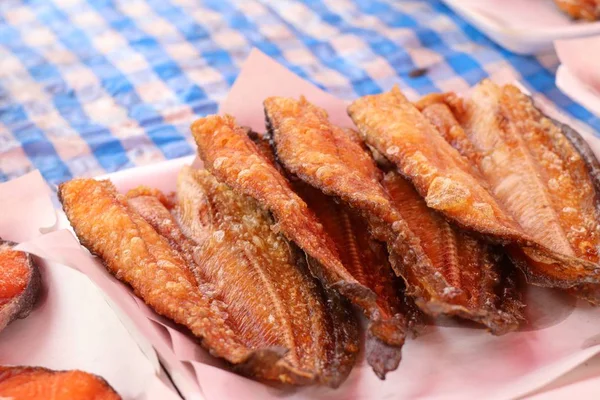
column 94, row 86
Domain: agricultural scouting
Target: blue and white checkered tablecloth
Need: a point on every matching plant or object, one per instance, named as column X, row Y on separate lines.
column 94, row 86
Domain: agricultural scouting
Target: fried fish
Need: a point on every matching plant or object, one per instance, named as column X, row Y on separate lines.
column 366, row 259
column 213, row 266
column 547, row 162
column 230, row 154
column 580, row 9
column 20, row 283
column 478, row 273
column 504, row 185
column 36, row 383
column 446, row 271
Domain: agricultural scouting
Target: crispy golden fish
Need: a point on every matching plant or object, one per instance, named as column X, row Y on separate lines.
column 217, row 269
column 449, row 272
column 366, row 259
column 494, row 189
column 552, row 164
column 478, row 273
column 235, row 160
column 580, row 9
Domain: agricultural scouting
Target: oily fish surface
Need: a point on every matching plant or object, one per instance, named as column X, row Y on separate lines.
column 332, row 161
column 142, row 243
column 235, row 160
column 366, row 260
column 463, row 187
column 541, row 171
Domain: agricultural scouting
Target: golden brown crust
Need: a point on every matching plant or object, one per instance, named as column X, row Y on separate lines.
column 330, row 160
column 234, row 159
column 36, row 383
column 366, row 259
column 559, row 205
column 271, row 297
column 580, row 9
column 462, row 192
column 20, row 283
column 325, row 157
column 135, row 253
column 392, row 125
column 222, row 286
column 476, row 272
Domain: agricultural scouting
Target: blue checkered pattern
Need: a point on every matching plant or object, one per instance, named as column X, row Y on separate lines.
column 94, row 86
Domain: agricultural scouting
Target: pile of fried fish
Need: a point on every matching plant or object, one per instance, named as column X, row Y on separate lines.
column 428, row 209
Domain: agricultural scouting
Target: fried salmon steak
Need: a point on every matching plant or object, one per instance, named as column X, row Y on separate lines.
column 211, row 263
column 580, row 9
column 503, row 170
column 446, row 271
column 20, row 283
column 36, row 383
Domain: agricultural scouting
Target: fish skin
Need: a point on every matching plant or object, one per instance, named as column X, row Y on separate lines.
column 451, row 184
column 326, row 158
column 572, row 163
column 315, row 325
column 20, row 304
column 136, row 254
column 231, row 156
column 181, row 280
column 333, row 161
column 37, row 383
column 588, row 292
column 476, row 271
column 366, row 259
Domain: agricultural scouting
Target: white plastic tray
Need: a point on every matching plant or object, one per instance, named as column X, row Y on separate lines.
column 522, row 26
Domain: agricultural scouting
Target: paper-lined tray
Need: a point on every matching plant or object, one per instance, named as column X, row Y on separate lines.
column 578, row 75
column 447, row 361
column 524, row 27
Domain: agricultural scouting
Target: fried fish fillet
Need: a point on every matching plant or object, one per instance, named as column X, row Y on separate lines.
column 36, row 383
column 548, row 162
column 222, row 274
column 231, row 156
column 580, row 9
column 448, row 272
column 502, row 187
column 477, row 273
column 367, row 260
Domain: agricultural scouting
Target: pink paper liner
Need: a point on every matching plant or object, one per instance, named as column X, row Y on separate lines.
column 445, row 362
